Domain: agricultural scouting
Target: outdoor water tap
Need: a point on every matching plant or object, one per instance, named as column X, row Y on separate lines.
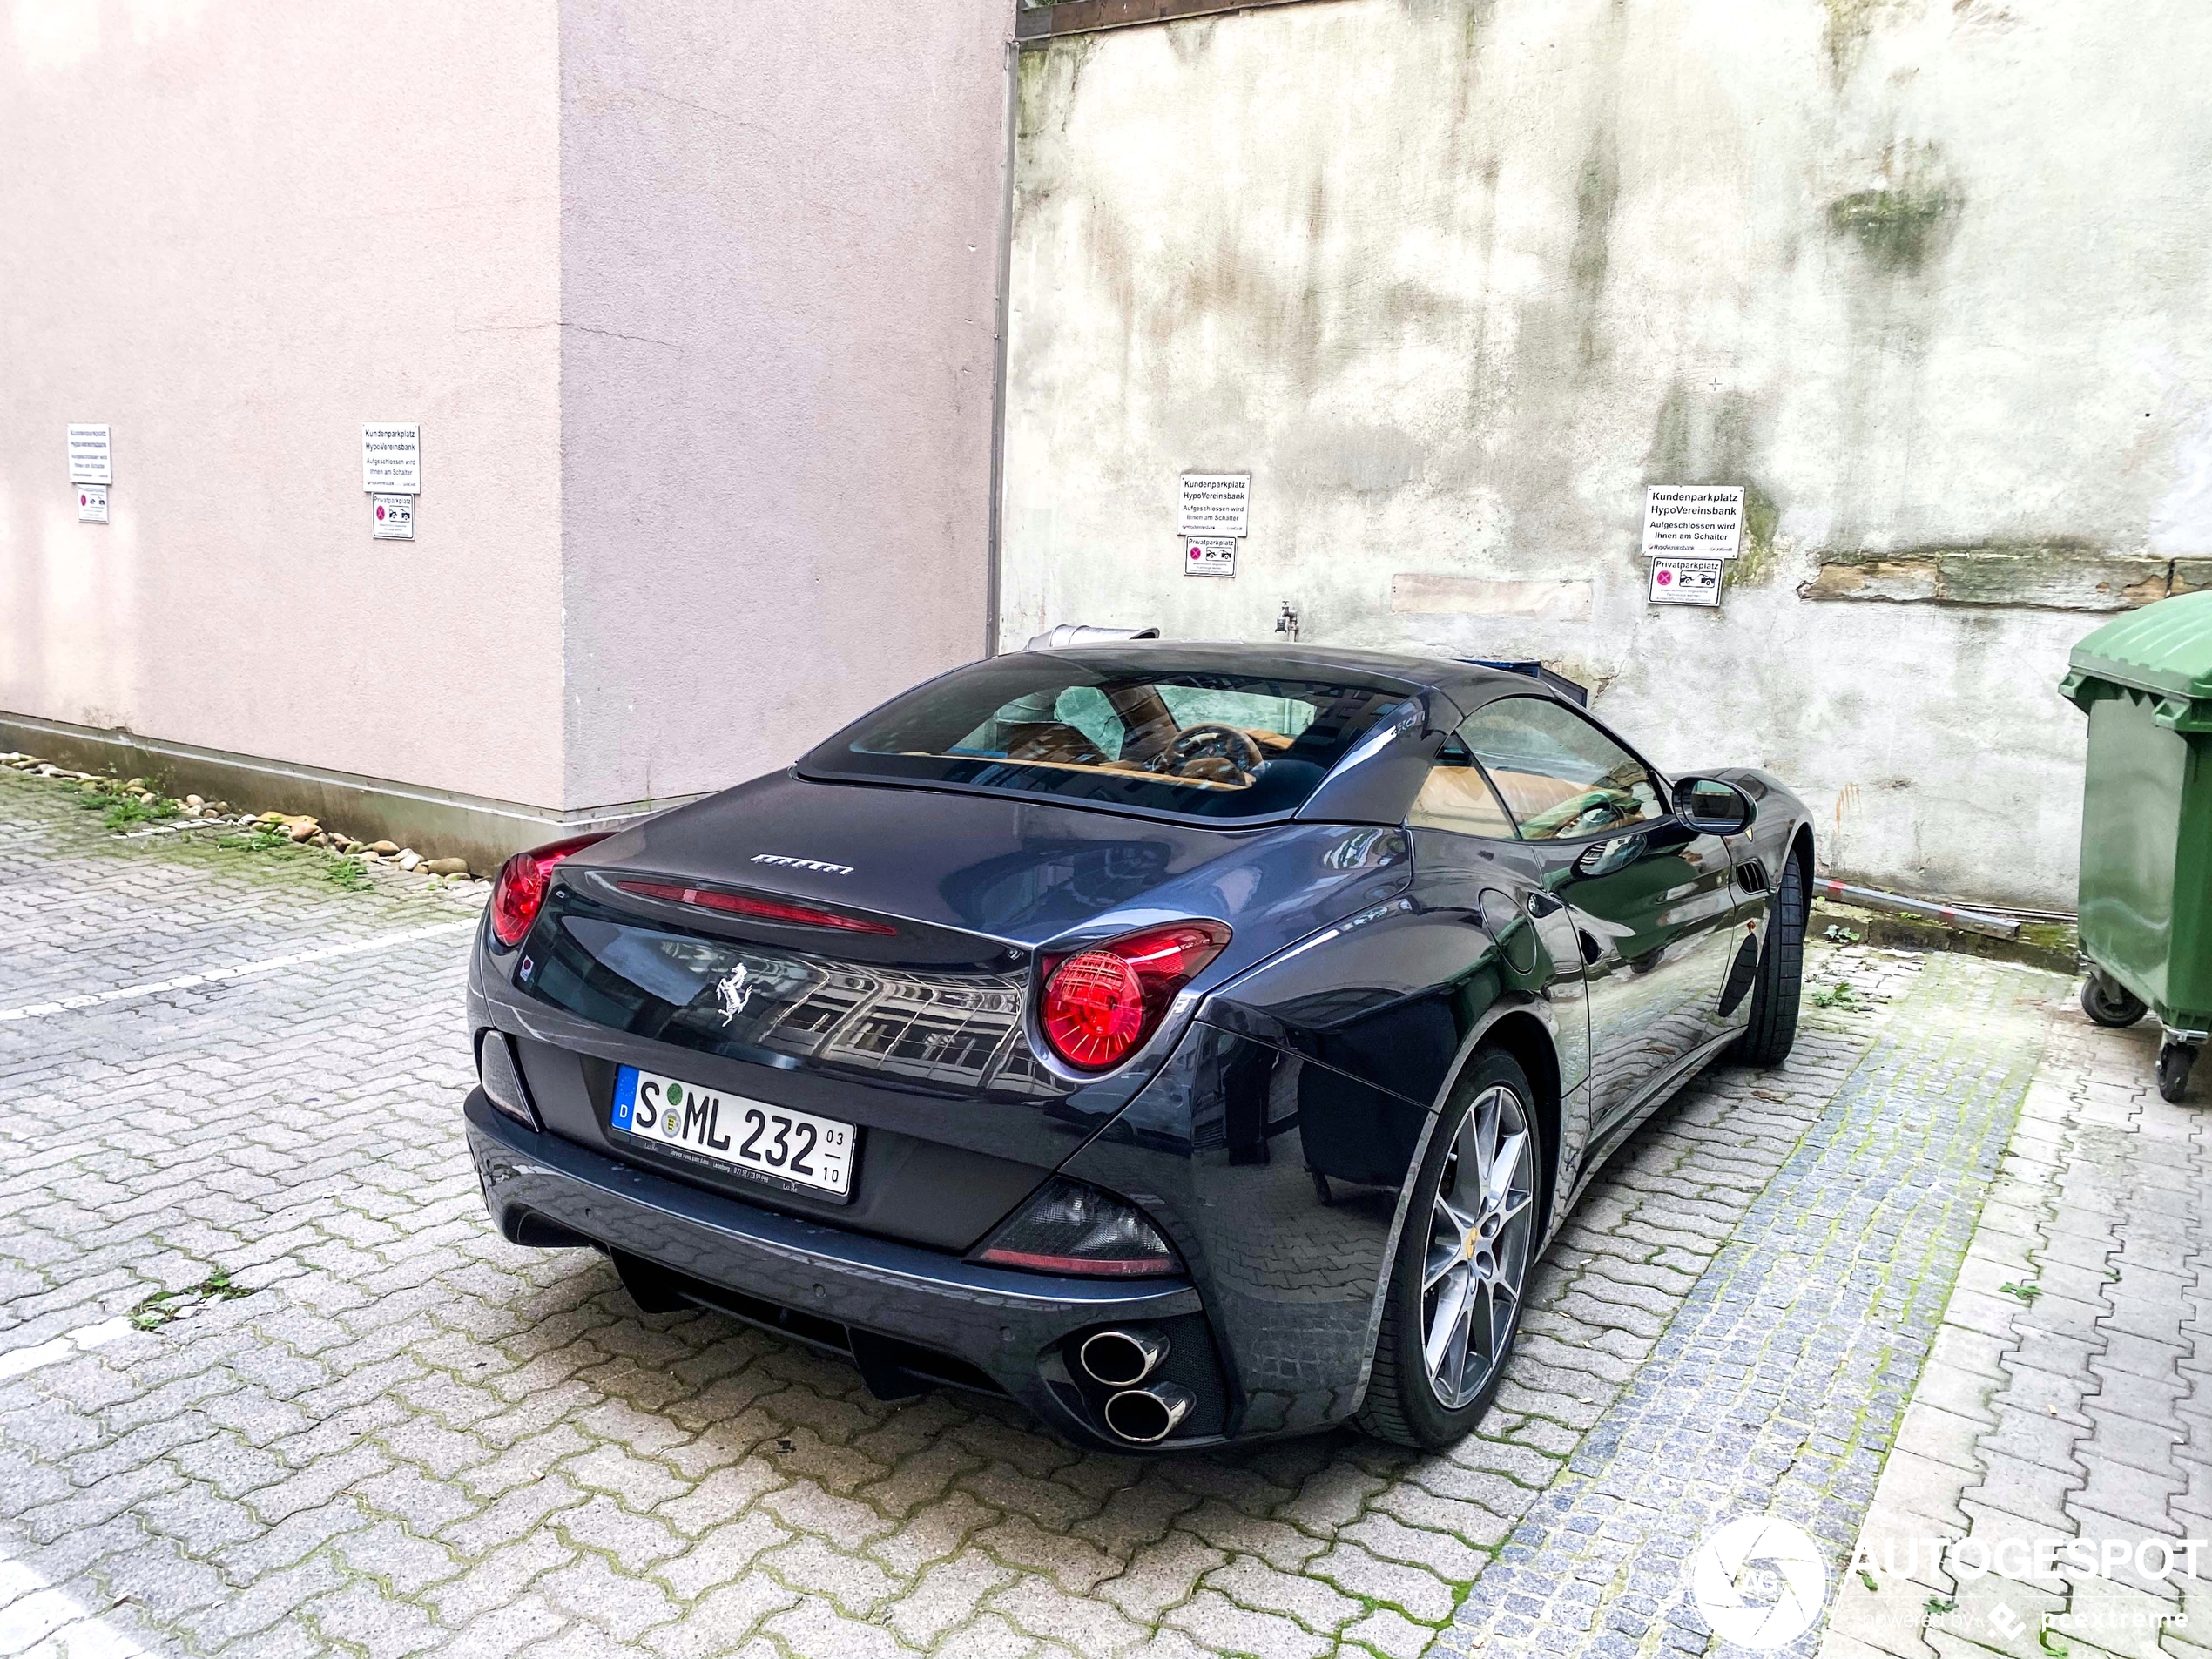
column 1287, row 623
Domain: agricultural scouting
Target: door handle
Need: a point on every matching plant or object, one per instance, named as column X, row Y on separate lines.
column 1603, row 857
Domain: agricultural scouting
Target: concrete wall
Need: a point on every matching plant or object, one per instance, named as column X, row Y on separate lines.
column 695, row 305
column 1455, row 279
column 235, row 233
column 779, row 273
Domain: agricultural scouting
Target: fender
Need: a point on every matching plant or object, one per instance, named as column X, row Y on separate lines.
column 1519, row 1008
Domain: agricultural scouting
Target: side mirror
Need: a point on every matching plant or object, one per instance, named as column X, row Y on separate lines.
column 1712, row 807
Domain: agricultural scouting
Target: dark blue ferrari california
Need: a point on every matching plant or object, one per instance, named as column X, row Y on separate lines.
column 1192, row 1041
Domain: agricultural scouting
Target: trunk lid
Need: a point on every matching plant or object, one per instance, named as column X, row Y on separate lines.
column 914, row 1026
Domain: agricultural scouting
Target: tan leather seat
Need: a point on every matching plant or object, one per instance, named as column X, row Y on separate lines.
column 1052, row 741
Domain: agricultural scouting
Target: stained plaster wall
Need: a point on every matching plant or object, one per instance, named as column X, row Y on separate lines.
column 1455, row 280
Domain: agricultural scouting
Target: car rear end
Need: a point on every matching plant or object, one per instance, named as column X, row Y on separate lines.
column 813, row 1052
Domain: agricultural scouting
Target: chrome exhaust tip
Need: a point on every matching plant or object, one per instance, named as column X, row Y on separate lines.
column 1144, row 1416
column 1121, row 1358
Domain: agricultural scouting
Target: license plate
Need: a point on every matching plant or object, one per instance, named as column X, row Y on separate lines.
column 771, row 1143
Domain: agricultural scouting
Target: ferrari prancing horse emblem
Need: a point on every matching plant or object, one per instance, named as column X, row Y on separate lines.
column 733, row 993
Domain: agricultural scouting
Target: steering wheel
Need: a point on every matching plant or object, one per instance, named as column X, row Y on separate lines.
column 1210, row 741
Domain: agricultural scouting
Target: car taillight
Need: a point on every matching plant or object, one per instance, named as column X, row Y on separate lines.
column 743, row 904
column 521, row 888
column 1065, row 1227
column 1103, row 1000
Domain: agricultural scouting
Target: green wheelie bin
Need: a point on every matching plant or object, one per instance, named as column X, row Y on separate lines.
column 2145, row 681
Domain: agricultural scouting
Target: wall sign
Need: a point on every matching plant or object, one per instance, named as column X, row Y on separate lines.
column 394, row 518
column 1209, row 558
column 1214, row 504
column 90, row 460
column 392, row 459
column 1693, row 520
column 1686, row 581
column 92, row 503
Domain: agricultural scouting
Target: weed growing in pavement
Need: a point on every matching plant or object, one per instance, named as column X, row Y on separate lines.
column 123, row 809
column 125, row 813
column 1941, row 1604
column 339, row 870
column 1841, row 935
column 163, row 1306
column 2027, row 1292
column 1841, row 995
column 256, row 841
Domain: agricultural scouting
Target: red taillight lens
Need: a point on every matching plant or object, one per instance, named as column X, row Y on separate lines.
column 1101, row 1002
column 521, row 888
column 742, row 904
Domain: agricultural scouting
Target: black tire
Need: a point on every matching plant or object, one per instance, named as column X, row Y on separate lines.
column 2108, row 1002
column 1773, row 1028
column 1401, row 1407
column 2175, row 1061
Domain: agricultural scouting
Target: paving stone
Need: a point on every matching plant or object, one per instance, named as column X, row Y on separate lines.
column 416, row 1438
column 1220, row 1626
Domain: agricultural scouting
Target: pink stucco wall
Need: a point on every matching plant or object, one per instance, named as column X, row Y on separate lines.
column 695, row 305
column 780, row 228
column 235, row 233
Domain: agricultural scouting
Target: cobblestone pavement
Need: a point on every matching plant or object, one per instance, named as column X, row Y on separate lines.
column 406, row 1436
column 2070, row 1394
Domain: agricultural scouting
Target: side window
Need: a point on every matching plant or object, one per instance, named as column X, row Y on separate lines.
column 1561, row 777
column 1458, row 797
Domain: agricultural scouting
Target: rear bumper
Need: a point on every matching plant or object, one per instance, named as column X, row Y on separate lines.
column 1009, row 1326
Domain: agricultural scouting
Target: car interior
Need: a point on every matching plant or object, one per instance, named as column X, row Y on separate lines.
column 1135, row 728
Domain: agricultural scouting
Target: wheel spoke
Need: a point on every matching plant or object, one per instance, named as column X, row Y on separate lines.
column 1504, row 1301
column 1451, row 1303
column 1458, row 1222
column 1516, row 1205
column 1443, row 1256
column 1462, row 1339
column 1505, row 1167
column 1483, row 1121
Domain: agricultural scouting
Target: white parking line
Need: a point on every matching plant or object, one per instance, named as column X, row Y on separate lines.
column 244, row 970
column 32, row 1612
column 66, row 1346
column 182, row 829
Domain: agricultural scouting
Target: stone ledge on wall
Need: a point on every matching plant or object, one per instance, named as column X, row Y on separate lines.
column 2041, row 575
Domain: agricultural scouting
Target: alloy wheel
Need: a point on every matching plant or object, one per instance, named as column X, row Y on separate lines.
column 1480, row 1228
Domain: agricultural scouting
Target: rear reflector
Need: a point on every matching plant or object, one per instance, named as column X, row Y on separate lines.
column 502, row 1082
column 743, row 904
column 1068, row 1228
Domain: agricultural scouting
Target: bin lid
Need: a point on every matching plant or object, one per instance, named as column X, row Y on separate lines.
column 2164, row 648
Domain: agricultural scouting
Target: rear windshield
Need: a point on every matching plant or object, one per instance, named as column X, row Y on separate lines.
column 1121, row 732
